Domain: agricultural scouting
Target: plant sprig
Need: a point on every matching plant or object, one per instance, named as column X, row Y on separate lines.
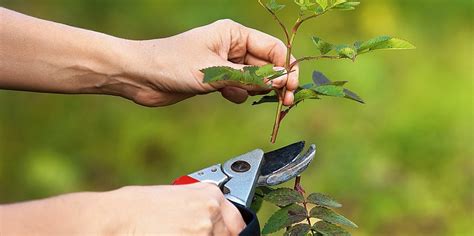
column 308, row 9
column 302, row 215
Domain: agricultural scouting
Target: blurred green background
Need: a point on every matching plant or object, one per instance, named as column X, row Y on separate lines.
column 402, row 164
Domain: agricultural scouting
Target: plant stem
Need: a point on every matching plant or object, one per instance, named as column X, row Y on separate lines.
column 281, row 92
column 313, row 58
column 288, row 65
column 275, row 17
column 297, row 187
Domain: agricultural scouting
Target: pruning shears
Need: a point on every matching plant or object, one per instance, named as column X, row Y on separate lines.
column 239, row 176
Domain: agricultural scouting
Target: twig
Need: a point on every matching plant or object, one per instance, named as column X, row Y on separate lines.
column 297, row 187
column 283, row 27
column 313, row 58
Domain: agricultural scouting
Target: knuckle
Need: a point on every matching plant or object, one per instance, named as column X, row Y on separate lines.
column 212, row 206
column 226, row 22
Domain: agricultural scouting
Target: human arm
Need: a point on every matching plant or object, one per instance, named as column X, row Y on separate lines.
column 43, row 56
column 195, row 209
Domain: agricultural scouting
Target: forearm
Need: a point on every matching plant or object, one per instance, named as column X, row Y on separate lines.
column 43, row 56
column 69, row 214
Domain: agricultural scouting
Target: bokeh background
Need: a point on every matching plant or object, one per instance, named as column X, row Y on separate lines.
column 401, row 165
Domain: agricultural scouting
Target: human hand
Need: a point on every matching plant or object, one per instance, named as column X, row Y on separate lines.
column 172, row 65
column 195, row 209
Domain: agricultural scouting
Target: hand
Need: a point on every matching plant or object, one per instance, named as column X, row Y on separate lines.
column 173, row 63
column 195, row 209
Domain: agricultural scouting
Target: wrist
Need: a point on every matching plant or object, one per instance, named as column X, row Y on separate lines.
column 118, row 69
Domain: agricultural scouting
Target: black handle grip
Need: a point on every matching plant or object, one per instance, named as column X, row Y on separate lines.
column 250, row 218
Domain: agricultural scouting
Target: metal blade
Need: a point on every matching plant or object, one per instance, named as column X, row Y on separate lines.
column 279, row 158
column 294, row 168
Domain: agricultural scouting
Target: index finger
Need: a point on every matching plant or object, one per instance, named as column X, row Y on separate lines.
column 265, row 47
column 272, row 50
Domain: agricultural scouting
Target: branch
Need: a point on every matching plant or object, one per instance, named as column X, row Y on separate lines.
column 283, row 27
column 313, row 58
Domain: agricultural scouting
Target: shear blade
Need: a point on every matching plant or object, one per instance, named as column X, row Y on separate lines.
column 279, row 158
column 288, row 167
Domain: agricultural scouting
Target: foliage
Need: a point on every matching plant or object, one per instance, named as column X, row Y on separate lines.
column 309, row 9
column 292, row 212
column 295, row 217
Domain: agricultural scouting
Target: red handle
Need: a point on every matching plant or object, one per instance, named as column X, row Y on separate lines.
column 185, row 180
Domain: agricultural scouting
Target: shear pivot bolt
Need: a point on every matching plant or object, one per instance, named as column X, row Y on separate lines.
column 240, row 166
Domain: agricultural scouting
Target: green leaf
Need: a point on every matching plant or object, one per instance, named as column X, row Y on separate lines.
column 345, row 6
column 284, row 217
column 256, row 203
column 346, row 51
column 248, row 75
column 298, row 230
column 330, row 90
column 326, row 228
column 372, row 43
column 336, row 2
column 264, row 190
column 303, row 94
column 320, row 79
column 322, row 46
column 274, row 6
column 266, row 99
column 329, row 215
column 284, row 197
column 265, row 71
column 390, row 44
column 323, row 3
column 322, row 200
column 305, row 4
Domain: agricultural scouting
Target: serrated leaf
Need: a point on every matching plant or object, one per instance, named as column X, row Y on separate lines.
column 248, row 75
column 322, row 200
column 330, row 90
column 326, row 228
column 274, row 6
column 284, row 217
column 298, row 230
column 265, row 71
column 217, row 73
column 303, row 94
column 284, row 197
column 352, row 96
column 266, row 99
column 320, row 79
column 322, row 46
column 329, row 215
column 346, row 51
column 264, row 190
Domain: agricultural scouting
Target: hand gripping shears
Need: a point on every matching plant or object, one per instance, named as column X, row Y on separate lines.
column 239, row 176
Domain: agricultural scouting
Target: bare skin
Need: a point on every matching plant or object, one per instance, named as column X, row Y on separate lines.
column 195, row 209
column 42, row 56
